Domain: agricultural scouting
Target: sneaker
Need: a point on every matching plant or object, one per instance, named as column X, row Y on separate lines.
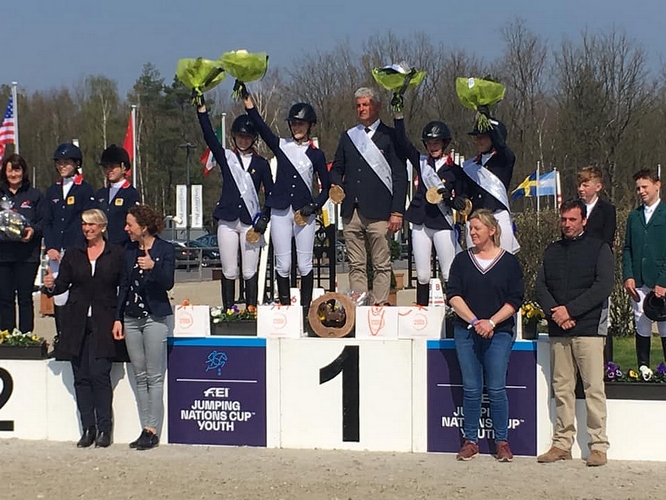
column 596, row 458
column 555, row 454
column 503, row 452
column 468, row 451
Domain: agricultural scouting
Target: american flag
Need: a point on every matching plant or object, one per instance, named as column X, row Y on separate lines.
column 7, row 129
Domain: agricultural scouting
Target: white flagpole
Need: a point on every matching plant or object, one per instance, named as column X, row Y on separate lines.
column 558, row 189
column 537, row 187
column 223, row 135
column 134, row 157
column 659, row 170
column 15, row 101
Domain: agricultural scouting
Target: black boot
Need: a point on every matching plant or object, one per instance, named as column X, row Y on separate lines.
column 87, row 438
column 307, row 282
column 663, row 346
column 251, row 290
column 284, row 294
column 228, row 290
column 422, row 294
column 643, row 350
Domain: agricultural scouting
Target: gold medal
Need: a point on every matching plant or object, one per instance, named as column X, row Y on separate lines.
column 433, row 196
column 299, row 219
column 252, row 236
column 336, row 194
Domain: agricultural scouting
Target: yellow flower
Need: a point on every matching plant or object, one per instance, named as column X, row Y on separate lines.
column 633, row 374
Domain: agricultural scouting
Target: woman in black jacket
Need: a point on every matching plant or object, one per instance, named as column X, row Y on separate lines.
column 19, row 259
column 91, row 273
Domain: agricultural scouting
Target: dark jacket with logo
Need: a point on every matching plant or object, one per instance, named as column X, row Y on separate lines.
column 159, row 279
column 62, row 216
column 363, row 188
column 116, row 210
column 289, row 188
column 230, row 206
column 29, row 202
column 576, row 273
column 86, row 290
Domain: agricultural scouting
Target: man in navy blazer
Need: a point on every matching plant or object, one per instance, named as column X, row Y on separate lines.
column 374, row 180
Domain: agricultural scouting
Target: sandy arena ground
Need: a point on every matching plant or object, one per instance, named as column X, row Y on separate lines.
column 51, row 470
column 54, row 470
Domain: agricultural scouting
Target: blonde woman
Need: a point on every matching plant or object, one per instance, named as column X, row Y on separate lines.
column 91, row 274
column 485, row 289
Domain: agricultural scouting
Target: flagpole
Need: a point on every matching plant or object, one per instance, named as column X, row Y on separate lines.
column 537, row 187
column 134, row 157
column 15, row 101
column 223, row 137
column 558, row 189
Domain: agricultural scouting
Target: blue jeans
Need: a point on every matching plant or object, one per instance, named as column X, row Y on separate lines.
column 480, row 359
column 146, row 345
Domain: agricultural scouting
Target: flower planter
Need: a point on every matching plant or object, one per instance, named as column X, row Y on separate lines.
column 530, row 330
column 636, row 391
column 246, row 327
column 23, row 352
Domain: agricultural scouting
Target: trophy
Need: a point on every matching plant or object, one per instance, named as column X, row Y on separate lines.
column 12, row 224
column 336, row 194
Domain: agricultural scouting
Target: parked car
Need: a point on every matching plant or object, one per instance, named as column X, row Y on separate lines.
column 210, row 255
column 208, row 240
column 185, row 257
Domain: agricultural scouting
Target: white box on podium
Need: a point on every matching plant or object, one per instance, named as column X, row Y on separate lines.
column 377, row 322
column 280, row 322
column 191, row 321
column 420, row 322
column 436, row 295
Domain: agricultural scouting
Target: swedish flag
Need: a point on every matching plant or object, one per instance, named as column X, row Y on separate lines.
column 528, row 188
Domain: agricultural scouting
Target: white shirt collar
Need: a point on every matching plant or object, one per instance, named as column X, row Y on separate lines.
column 651, row 208
column 119, row 184
column 373, row 127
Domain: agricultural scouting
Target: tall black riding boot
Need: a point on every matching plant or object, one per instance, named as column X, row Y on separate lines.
column 228, row 290
column 307, row 282
column 422, row 294
column 643, row 350
column 251, row 291
column 284, row 295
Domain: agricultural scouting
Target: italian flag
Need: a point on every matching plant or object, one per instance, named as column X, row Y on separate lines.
column 207, row 158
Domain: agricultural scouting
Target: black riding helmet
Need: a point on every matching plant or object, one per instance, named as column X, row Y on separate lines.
column 434, row 130
column 115, row 155
column 68, row 151
column 243, row 124
column 302, row 111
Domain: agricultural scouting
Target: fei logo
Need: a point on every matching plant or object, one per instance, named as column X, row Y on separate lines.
column 216, row 360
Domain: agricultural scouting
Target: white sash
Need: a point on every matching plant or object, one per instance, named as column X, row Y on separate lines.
column 431, row 179
column 244, row 183
column 486, row 179
column 295, row 153
column 372, row 155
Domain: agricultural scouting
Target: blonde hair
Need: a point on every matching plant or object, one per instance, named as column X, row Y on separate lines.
column 94, row 216
column 488, row 219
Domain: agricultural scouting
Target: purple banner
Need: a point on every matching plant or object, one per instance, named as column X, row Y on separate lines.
column 217, row 391
column 445, row 399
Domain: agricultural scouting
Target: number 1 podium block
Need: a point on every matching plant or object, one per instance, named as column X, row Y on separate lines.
column 346, row 394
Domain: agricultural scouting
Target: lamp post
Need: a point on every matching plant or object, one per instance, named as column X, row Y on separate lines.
column 188, row 219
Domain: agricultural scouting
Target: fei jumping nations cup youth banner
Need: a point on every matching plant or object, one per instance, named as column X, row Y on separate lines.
column 445, row 397
column 217, row 391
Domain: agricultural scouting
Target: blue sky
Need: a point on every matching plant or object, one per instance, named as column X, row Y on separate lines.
column 54, row 44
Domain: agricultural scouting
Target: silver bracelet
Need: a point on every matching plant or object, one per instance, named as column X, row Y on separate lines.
column 492, row 323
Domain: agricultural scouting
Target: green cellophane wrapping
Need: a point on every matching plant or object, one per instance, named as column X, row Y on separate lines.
column 475, row 92
column 393, row 79
column 245, row 66
column 200, row 74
